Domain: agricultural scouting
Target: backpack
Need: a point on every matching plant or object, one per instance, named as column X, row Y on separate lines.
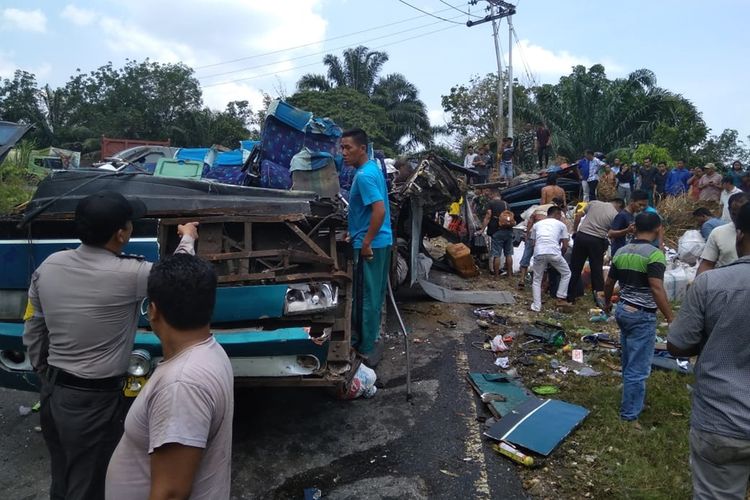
column 507, row 220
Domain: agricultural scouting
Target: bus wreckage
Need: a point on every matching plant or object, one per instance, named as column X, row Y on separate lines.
column 283, row 308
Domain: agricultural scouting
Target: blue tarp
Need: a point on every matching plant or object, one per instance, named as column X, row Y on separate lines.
column 195, row 154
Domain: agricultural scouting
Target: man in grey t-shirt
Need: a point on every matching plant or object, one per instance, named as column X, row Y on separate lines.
column 178, row 433
column 712, row 324
column 79, row 332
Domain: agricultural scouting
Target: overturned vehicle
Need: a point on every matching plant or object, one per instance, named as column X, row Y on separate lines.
column 275, row 237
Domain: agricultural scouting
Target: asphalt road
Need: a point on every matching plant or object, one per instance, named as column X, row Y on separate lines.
column 286, row 440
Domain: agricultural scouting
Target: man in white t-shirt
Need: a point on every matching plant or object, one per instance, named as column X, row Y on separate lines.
column 728, row 189
column 178, row 433
column 550, row 239
column 469, row 158
column 721, row 244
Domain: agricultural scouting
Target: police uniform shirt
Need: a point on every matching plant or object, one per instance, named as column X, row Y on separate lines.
column 84, row 310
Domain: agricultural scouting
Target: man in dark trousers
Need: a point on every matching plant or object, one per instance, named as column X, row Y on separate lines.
column 712, row 324
column 590, row 243
column 80, row 327
column 372, row 239
column 543, row 144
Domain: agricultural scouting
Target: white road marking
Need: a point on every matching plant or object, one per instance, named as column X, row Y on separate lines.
column 473, row 446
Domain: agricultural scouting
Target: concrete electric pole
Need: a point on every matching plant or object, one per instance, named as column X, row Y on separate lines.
column 499, row 9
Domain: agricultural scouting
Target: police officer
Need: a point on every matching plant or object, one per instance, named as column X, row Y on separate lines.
column 80, row 328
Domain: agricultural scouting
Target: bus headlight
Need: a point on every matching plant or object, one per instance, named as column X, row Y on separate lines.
column 305, row 299
column 139, row 364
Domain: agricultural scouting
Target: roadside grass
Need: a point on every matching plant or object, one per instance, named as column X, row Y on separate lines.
column 16, row 184
column 605, row 457
column 608, row 458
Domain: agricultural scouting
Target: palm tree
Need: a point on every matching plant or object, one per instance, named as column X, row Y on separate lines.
column 407, row 114
column 587, row 110
column 359, row 69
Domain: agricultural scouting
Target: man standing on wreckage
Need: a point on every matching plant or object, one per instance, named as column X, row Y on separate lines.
column 372, row 239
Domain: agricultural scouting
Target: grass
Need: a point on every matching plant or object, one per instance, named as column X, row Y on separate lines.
column 605, row 457
column 16, row 184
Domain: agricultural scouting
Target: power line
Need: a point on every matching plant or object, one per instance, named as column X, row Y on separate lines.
column 318, row 63
column 231, row 72
column 428, row 13
column 532, row 78
column 457, row 9
column 338, row 37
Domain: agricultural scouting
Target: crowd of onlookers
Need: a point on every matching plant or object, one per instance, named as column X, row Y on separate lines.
column 606, row 181
column 618, row 217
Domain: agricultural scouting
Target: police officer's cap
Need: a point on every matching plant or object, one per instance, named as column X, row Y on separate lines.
column 108, row 211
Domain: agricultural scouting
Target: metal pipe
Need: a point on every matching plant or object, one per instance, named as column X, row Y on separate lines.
column 406, row 339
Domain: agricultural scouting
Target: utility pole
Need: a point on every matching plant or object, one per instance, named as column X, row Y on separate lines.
column 510, row 76
column 499, row 9
column 499, row 126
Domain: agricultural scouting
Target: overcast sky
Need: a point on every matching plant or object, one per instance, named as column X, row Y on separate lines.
column 698, row 49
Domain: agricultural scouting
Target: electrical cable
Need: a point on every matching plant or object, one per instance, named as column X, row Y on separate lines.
column 454, row 7
column 527, row 67
column 338, row 37
column 428, row 13
column 327, row 51
column 317, row 63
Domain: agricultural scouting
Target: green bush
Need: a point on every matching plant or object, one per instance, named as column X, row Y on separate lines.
column 16, row 183
column 656, row 153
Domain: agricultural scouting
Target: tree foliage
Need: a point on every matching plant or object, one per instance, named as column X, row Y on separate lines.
column 406, row 124
column 723, row 150
column 348, row 108
column 141, row 100
column 585, row 110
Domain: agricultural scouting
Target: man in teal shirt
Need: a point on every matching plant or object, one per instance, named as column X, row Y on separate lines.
column 372, row 239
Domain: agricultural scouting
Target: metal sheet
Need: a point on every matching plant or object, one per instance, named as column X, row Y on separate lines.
column 482, row 297
column 416, row 237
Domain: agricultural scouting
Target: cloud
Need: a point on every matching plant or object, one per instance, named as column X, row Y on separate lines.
column 24, row 20
column 139, row 32
column 437, row 117
column 78, row 16
column 218, row 97
column 8, row 67
column 138, row 44
column 547, row 63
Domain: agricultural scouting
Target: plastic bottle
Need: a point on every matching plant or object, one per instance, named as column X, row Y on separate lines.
column 511, row 452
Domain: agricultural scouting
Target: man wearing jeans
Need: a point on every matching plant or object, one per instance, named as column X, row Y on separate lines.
column 639, row 268
column 712, row 324
column 549, row 238
column 588, row 170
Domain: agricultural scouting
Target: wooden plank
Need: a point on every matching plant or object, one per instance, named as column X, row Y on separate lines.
column 291, row 255
column 210, row 241
column 309, row 242
column 247, row 239
column 234, row 218
column 283, row 278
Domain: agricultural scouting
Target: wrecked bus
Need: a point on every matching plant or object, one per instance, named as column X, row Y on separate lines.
column 272, row 222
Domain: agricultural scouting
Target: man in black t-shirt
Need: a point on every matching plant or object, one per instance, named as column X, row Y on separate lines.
column 648, row 179
column 660, row 179
column 502, row 237
column 623, row 225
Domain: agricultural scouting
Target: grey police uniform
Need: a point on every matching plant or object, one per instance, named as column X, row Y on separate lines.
column 79, row 335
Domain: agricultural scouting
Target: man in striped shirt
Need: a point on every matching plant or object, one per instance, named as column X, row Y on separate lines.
column 639, row 268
